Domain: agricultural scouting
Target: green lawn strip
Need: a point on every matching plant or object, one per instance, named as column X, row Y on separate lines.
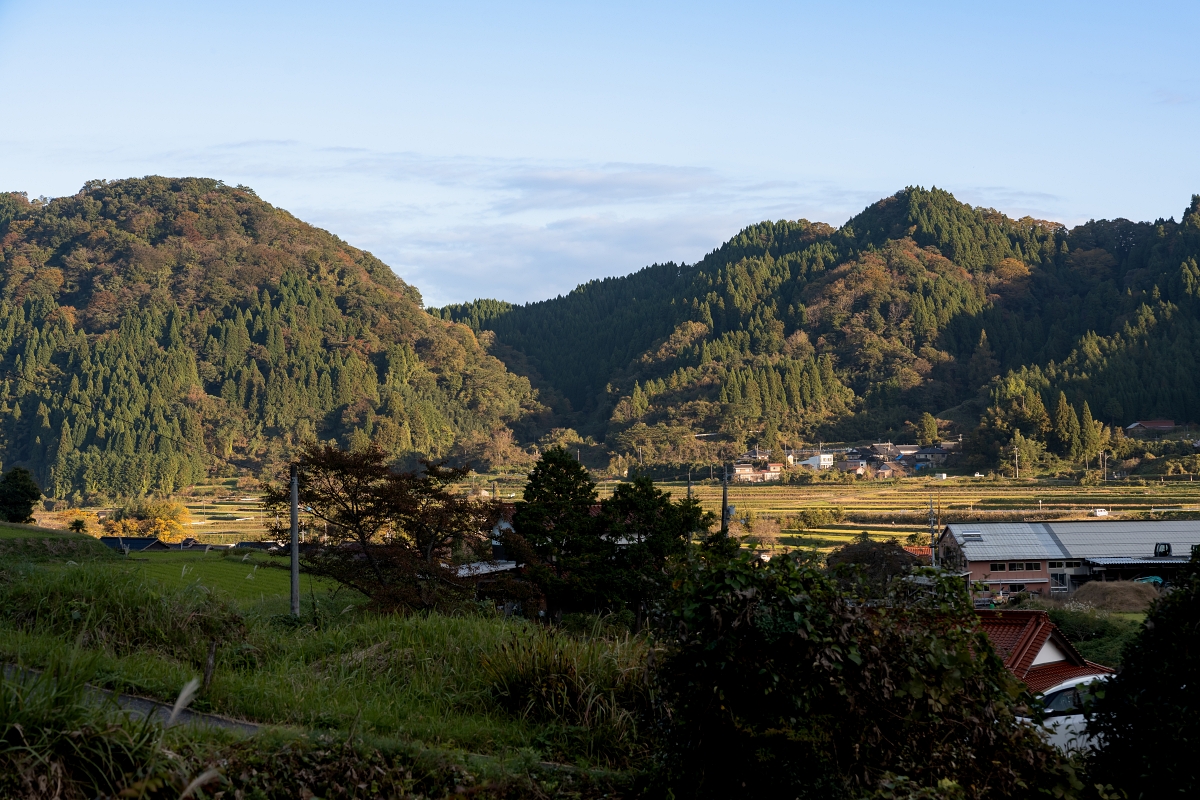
column 247, row 577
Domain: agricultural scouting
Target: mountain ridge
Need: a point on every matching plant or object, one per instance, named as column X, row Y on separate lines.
column 922, row 303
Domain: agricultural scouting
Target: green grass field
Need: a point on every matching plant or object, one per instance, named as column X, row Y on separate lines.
column 417, row 678
column 247, row 576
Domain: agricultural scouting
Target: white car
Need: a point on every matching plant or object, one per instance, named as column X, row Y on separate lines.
column 1065, row 725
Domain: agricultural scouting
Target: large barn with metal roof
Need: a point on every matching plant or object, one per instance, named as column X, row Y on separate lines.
column 1056, row 557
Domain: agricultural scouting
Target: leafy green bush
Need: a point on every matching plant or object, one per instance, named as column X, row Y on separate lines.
column 776, row 683
column 1098, row 636
column 1146, row 716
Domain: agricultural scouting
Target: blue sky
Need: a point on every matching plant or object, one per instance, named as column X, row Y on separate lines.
column 515, row 150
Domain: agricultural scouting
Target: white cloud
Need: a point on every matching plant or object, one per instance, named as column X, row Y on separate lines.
column 460, row 228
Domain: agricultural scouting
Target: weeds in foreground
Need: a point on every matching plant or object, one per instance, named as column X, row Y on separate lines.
column 598, row 688
column 60, row 739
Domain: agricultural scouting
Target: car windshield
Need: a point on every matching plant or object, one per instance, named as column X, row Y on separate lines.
column 1064, row 701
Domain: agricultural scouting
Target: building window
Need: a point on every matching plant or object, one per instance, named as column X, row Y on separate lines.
column 1033, row 565
column 998, row 568
column 1016, row 566
column 1054, row 564
column 1071, row 564
column 1016, row 587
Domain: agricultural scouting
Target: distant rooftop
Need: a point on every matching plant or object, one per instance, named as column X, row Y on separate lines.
column 984, row 541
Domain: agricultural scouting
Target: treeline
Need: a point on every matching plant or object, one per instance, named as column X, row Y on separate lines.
column 154, row 330
column 920, row 304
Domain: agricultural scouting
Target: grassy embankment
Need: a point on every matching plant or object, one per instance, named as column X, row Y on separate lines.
column 448, row 686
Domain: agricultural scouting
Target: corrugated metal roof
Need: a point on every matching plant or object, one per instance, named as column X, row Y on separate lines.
column 999, row 541
column 1137, row 562
column 1130, row 538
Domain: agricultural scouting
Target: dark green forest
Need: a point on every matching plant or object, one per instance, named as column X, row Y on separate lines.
column 797, row 331
column 154, row 331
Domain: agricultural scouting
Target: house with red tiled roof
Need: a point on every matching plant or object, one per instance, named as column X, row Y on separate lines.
column 1035, row 650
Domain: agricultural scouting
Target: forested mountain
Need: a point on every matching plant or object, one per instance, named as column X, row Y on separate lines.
column 152, row 330
column 797, row 331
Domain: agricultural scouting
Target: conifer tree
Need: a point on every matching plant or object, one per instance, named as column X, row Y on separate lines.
column 1073, row 431
column 983, row 366
column 1089, row 434
column 1065, row 431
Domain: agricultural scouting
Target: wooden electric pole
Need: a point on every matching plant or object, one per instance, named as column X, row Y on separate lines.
column 295, row 542
column 725, row 504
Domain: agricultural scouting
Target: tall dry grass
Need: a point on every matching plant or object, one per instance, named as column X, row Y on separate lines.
column 1127, row 596
column 598, row 687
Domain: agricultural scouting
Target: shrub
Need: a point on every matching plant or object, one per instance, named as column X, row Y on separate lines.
column 1096, row 635
column 775, row 683
column 18, row 495
column 1145, row 717
column 871, row 564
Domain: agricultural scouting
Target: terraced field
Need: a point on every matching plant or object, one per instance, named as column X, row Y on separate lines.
column 223, row 514
column 900, row 509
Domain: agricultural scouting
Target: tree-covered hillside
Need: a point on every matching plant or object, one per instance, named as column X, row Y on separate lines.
column 152, row 330
column 796, row 330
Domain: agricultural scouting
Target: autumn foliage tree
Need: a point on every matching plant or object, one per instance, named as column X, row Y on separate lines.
column 393, row 535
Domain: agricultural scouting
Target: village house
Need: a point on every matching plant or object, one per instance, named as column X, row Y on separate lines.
column 817, row 461
column 1034, row 649
column 1146, row 427
column 932, row 456
column 857, row 465
column 1057, row 557
column 890, row 469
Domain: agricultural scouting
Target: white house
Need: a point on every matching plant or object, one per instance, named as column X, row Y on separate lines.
column 819, row 461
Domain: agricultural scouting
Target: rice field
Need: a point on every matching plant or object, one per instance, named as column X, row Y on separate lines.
column 898, row 509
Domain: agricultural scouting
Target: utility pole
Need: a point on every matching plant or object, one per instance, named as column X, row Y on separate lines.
column 295, row 542
column 725, row 504
column 1016, row 464
column 689, row 483
column 932, row 533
